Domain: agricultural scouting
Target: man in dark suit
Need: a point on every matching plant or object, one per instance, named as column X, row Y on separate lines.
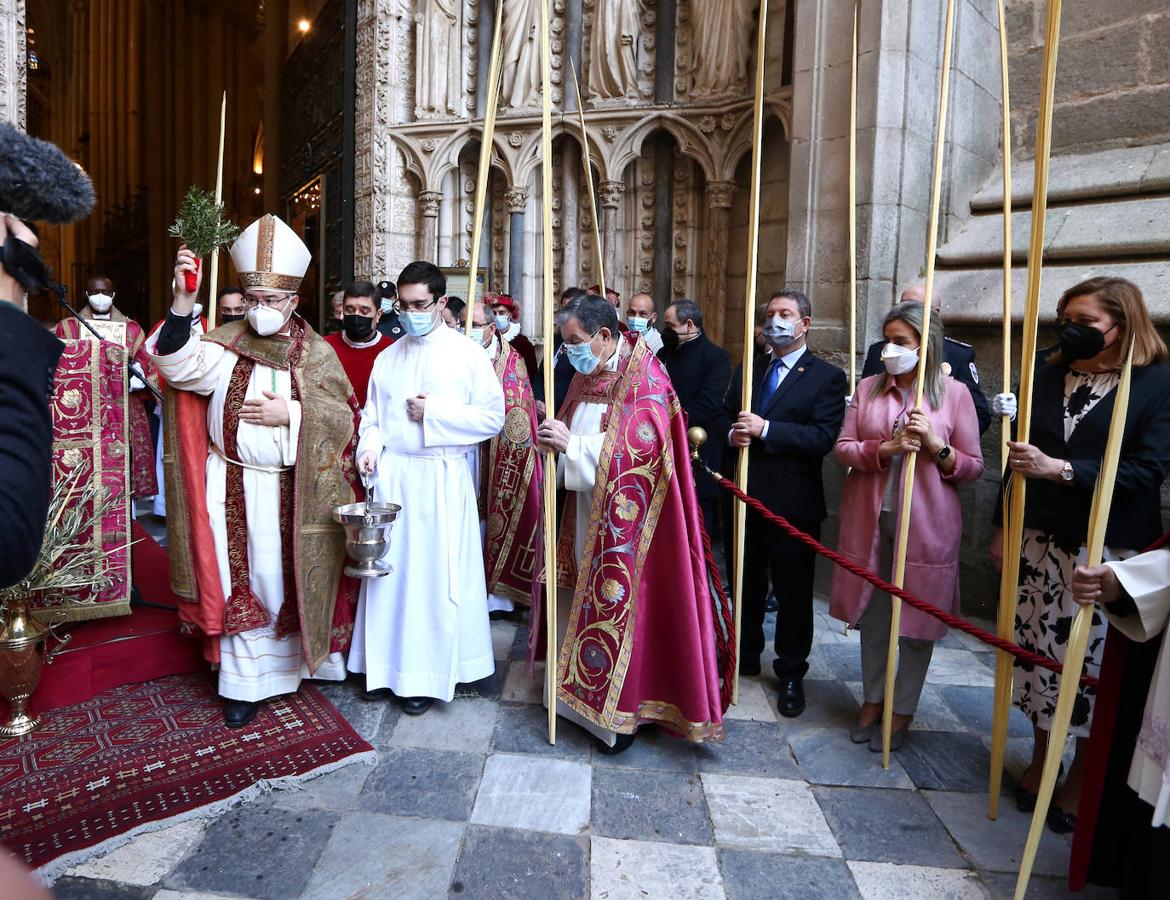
column 28, row 362
column 958, row 359
column 700, row 372
column 798, row 403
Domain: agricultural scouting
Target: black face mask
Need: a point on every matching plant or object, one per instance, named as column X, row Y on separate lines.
column 669, row 338
column 231, row 317
column 358, row 328
column 1080, row 341
column 25, row 263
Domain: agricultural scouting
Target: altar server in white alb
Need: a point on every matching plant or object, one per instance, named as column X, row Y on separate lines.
column 260, row 445
column 433, row 397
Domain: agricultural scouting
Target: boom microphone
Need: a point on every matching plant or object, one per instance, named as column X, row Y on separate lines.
column 38, row 182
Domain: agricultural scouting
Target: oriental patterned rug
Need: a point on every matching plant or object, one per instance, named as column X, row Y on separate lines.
column 143, row 756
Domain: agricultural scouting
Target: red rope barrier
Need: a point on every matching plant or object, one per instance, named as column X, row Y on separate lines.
column 946, row 618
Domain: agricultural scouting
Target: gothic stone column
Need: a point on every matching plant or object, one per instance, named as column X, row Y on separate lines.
column 719, row 194
column 428, row 204
column 13, row 73
column 611, row 197
column 517, row 200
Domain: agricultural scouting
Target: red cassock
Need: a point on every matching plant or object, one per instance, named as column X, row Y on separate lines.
column 641, row 639
column 358, row 362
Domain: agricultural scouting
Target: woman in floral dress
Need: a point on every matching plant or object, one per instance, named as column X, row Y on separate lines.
column 1073, row 398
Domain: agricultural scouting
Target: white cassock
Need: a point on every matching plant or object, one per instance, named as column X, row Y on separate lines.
column 577, row 473
column 1146, row 578
column 424, row 628
column 160, row 499
column 254, row 665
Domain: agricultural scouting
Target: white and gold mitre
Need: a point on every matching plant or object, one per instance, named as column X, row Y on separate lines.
column 271, row 256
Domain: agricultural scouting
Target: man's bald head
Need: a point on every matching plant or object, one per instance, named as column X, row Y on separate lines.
column 916, row 293
column 100, row 284
column 642, row 306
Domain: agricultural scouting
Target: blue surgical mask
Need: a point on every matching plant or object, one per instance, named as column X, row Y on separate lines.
column 476, row 334
column 638, row 324
column 387, row 306
column 418, row 324
column 582, row 357
column 503, row 323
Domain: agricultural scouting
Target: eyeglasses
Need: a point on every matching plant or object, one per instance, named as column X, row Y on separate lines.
column 414, row 305
column 588, row 340
column 253, row 302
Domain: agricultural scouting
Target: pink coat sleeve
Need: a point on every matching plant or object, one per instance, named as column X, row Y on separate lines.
column 964, row 436
column 851, row 449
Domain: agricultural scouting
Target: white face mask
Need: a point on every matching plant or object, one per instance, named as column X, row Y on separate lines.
column 899, row 360
column 266, row 320
column 101, row 303
column 781, row 332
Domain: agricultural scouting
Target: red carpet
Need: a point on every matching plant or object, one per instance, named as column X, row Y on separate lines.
column 142, row 756
column 105, row 653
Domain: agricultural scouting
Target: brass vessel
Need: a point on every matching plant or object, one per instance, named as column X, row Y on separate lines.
column 23, row 655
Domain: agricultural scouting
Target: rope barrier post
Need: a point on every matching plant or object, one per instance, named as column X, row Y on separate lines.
column 1000, row 712
column 1015, row 493
column 550, row 459
column 912, row 458
column 1078, row 638
column 749, row 335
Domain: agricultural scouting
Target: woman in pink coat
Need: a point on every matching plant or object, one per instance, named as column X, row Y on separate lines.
column 881, row 426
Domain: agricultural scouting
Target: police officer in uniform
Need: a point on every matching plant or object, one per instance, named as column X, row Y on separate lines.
column 388, row 324
column 958, row 359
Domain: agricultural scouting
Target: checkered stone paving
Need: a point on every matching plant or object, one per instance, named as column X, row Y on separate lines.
column 470, row 801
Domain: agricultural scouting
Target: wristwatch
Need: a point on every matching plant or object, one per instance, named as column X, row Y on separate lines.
column 943, row 453
column 1066, row 471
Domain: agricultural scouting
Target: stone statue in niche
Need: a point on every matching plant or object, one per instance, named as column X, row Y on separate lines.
column 438, row 53
column 613, row 50
column 722, row 32
column 520, row 73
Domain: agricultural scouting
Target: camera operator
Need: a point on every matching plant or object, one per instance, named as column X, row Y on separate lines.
column 28, row 361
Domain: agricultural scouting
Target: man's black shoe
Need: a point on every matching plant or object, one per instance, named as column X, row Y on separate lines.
column 791, row 702
column 238, row 713
column 416, row 706
column 623, row 743
column 377, row 694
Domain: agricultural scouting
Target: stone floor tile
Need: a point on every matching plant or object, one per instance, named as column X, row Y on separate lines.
column 520, row 643
column 829, row 704
column 336, row 790
column 76, row 888
column 371, row 855
column 843, row 661
column 462, row 726
column 194, row 895
column 503, row 636
column 753, row 748
column 653, row 749
column 634, row 870
column 534, row 793
column 949, row 666
column 887, row 881
column 945, row 761
column 754, row 704
column 933, row 712
column 524, row 729
column 974, row 707
column 147, row 858
column 650, row 806
column 522, row 687
column 1002, row 886
column 364, row 715
column 426, row 783
column 882, row 825
column 489, row 688
column 772, row 814
column 998, row 845
column 505, row 864
column 258, row 851
column 827, row 756
column 748, row 875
